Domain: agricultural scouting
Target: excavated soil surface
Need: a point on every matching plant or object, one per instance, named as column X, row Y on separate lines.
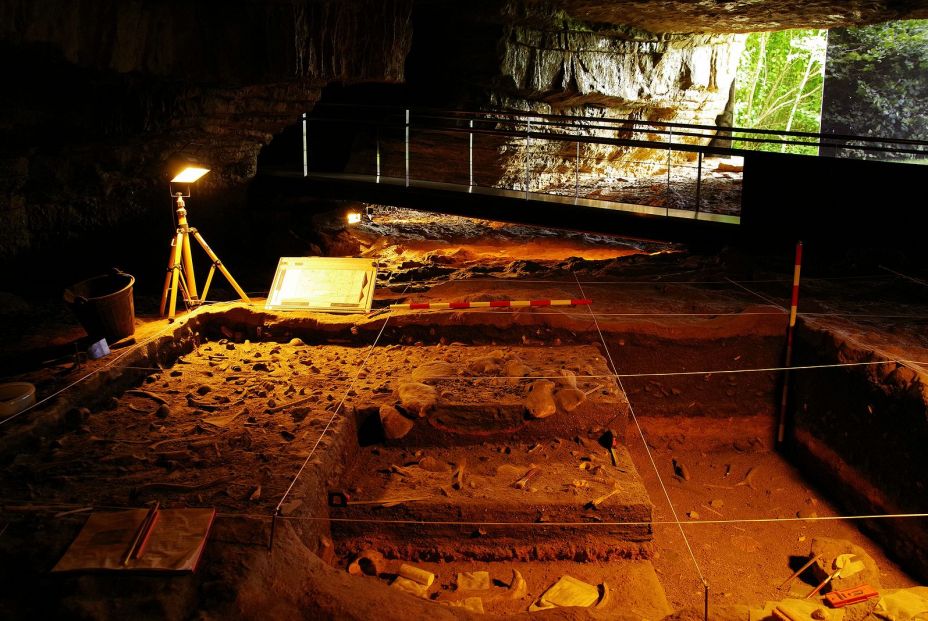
column 242, row 414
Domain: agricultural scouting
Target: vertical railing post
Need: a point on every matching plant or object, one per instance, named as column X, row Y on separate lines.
column 669, row 151
column 698, row 182
column 470, row 154
column 305, row 149
column 528, row 129
column 577, row 170
column 407, row 147
column 377, row 152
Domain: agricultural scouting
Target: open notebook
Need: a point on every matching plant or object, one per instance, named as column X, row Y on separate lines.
column 175, row 542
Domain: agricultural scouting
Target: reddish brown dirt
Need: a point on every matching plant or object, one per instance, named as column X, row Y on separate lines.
column 725, row 328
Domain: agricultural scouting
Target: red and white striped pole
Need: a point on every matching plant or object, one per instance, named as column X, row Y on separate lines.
column 794, row 303
column 490, row 304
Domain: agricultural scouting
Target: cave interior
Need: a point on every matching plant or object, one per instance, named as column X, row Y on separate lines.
column 616, row 359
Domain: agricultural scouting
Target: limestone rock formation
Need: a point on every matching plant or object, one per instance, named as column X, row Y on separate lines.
column 736, row 15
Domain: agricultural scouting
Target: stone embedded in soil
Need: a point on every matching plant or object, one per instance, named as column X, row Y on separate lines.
column 394, row 424
column 430, row 464
column 490, row 364
column 568, row 399
column 516, row 369
column 568, row 379
column 540, row 399
column 417, row 397
column 680, row 471
column 431, row 370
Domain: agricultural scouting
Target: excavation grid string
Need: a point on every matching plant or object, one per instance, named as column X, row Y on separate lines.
column 577, row 315
column 656, row 281
column 33, row 505
column 833, row 518
column 917, row 281
column 619, row 376
column 758, row 295
column 644, row 443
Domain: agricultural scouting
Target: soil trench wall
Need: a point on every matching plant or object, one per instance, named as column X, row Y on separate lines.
column 860, row 433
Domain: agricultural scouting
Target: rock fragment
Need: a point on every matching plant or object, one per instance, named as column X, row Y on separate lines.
column 540, row 399
column 395, row 425
column 569, row 399
column 432, row 370
column 417, row 397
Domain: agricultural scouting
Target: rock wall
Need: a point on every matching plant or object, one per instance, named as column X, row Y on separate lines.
column 737, row 15
column 106, row 91
column 537, row 58
column 612, row 74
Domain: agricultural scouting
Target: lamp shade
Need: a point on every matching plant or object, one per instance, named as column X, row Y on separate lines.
column 189, row 174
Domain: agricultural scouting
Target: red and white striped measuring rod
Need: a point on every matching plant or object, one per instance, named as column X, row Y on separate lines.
column 490, row 304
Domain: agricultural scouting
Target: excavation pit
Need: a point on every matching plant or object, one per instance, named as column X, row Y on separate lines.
column 249, row 407
column 490, row 518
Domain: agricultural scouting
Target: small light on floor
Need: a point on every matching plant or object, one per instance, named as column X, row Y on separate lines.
column 354, row 217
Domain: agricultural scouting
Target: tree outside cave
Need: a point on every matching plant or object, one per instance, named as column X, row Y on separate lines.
column 869, row 81
column 779, row 87
column 876, row 84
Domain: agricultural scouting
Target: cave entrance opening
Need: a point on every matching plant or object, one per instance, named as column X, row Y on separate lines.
column 779, row 86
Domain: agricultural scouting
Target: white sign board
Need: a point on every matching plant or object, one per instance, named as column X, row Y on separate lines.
column 332, row 285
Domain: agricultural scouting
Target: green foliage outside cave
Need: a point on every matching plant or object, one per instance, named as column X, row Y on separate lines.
column 779, row 86
column 877, row 83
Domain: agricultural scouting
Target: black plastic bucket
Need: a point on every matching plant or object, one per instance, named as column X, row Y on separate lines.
column 104, row 305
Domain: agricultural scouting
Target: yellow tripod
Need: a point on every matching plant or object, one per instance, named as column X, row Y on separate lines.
column 180, row 266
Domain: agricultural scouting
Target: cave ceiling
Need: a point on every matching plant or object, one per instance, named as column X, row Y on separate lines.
column 738, row 15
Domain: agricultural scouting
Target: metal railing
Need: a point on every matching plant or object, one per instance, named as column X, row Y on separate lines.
column 661, row 165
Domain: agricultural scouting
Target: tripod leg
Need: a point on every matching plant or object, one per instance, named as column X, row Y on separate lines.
column 220, row 266
column 209, row 279
column 175, row 274
column 167, row 277
column 184, row 292
column 188, row 270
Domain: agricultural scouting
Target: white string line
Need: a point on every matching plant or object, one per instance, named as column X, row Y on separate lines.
column 335, row 413
column 19, row 506
column 762, row 297
column 644, row 442
column 616, row 375
column 901, row 275
column 644, row 282
column 88, row 375
column 836, row 365
column 517, row 310
column 833, row 518
column 577, row 315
